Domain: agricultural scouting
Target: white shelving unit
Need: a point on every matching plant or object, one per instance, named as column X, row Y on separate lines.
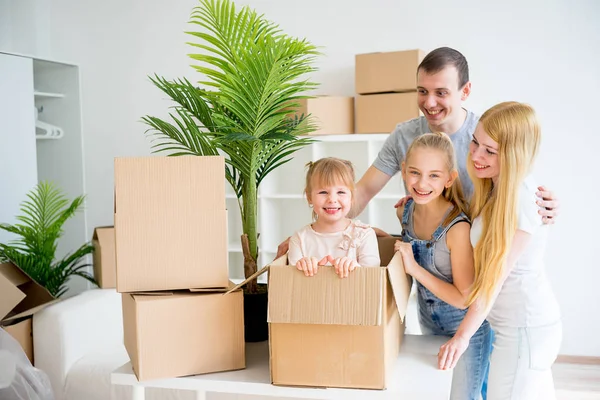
column 52, row 87
column 282, row 207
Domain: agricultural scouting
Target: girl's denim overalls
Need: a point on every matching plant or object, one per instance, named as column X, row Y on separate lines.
column 437, row 317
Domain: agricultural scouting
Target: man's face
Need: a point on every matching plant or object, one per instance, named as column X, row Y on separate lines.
column 440, row 98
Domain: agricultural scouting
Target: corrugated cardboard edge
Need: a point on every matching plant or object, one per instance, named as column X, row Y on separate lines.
column 10, row 296
column 49, row 299
column 401, row 284
column 279, row 261
column 254, row 275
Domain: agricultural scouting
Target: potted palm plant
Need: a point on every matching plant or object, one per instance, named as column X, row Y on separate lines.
column 254, row 76
column 37, row 233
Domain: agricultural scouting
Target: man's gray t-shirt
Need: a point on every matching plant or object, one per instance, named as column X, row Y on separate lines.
column 394, row 149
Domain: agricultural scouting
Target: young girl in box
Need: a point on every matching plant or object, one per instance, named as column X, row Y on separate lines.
column 333, row 238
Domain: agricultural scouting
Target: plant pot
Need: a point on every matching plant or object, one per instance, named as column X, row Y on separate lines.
column 255, row 315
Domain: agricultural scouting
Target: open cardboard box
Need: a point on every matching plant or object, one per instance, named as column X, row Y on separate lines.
column 332, row 332
column 20, row 298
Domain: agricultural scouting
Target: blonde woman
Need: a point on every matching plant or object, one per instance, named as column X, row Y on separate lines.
column 510, row 289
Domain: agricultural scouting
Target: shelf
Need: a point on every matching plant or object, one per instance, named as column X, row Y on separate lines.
column 49, row 95
column 47, row 137
column 353, row 137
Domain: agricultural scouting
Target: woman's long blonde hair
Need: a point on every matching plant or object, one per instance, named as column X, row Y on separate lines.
column 515, row 127
column 454, row 194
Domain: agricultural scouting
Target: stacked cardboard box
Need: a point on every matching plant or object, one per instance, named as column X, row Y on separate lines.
column 171, row 266
column 332, row 115
column 332, row 332
column 386, row 84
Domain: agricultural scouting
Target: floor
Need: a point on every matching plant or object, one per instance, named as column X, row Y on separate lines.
column 576, row 381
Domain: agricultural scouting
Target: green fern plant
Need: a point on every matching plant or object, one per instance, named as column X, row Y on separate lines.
column 41, row 225
column 254, row 75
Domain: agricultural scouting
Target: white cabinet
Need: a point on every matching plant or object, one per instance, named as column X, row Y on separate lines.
column 283, row 209
column 30, row 154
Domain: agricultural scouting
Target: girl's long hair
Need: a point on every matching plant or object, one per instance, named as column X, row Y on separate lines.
column 515, row 127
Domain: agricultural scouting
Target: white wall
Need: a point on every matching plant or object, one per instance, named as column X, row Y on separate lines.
column 543, row 52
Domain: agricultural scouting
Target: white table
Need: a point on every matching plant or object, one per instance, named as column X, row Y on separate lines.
column 415, row 377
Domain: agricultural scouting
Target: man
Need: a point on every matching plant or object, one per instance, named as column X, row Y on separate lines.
column 442, row 85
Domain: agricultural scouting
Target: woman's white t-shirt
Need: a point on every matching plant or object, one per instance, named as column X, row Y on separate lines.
column 526, row 298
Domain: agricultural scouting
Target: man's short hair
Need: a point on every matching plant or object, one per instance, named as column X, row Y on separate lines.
column 442, row 57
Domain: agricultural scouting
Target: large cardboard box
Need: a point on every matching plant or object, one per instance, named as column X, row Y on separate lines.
column 394, row 71
column 170, row 223
column 332, row 332
column 20, row 298
column 380, row 113
column 183, row 333
column 104, row 256
column 333, row 115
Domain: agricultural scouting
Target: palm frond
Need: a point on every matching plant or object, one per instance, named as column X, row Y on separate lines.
column 256, row 75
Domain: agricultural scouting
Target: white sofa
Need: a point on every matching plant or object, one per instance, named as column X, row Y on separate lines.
column 78, row 342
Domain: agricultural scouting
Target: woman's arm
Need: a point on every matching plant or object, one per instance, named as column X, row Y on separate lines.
column 451, row 351
column 461, row 258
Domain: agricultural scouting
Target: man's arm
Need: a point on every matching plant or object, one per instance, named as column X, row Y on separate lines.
column 367, row 187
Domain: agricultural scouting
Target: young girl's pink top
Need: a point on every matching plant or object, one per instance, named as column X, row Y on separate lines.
column 357, row 241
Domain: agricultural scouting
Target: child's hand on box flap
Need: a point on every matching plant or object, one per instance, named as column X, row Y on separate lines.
column 408, row 258
column 343, row 265
column 310, row 265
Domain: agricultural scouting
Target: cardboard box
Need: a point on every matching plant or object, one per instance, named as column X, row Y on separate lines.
column 380, row 113
column 104, row 257
column 22, row 332
column 170, row 223
column 332, row 332
column 20, row 297
column 183, row 333
column 333, row 115
column 387, row 72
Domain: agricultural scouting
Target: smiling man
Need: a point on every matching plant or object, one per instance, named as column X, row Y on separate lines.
column 442, row 85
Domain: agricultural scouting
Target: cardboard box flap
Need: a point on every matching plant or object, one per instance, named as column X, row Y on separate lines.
column 10, row 295
column 401, row 283
column 104, row 234
column 228, row 289
column 162, row 177
column 279, row 261
column 254, row 275
column 325, row 298
column 29, row 312
column 19, row 294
